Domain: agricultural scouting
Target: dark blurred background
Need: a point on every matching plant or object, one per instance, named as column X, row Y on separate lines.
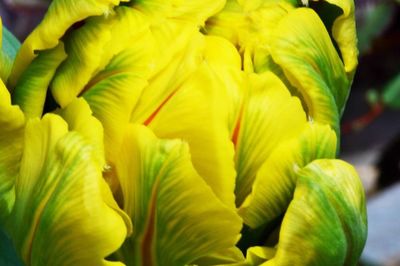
column 370, row 125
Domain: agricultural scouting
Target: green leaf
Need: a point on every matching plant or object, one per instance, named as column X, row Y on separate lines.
column 374, row 20
column 391, row 93
column 176, row 216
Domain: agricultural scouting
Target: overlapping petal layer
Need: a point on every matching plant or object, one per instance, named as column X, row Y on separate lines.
column 276, row 180
column 61, row 15
column 176, row 216
column 177, row 117
column 269, row 115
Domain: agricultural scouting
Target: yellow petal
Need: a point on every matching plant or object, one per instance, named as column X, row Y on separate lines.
column 269, row 116
column 344, row 33
column 91, row 47
column 60, row 16
column 176, row 216
column 79, row 118
column 275, row 181
column 12, row 123
column 63, row 214
column 189, row 11
column 197, row 114
column 302, row 47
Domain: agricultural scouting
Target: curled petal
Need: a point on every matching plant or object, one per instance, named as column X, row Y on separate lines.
column 301, row 46
column 325, row 223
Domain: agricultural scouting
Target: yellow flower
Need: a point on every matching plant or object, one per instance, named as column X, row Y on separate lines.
column 179, row 133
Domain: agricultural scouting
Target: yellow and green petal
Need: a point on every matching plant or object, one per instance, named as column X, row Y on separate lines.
column 176, row 216
column 9, row 46
column 344, row 33
column 12, row 124
column 91, row 48
column 60, row 16
column 301, row 46
column 325, row 223
column 64, row 213
column 276, row 179
column 32, row 88
column 269, row 116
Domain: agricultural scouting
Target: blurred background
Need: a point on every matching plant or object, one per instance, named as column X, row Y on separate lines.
column 370, row 125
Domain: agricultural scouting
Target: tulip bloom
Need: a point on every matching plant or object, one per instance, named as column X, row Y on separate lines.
column 179, row 133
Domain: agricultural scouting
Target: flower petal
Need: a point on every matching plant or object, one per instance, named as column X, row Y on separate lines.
column 344, row 33
column 79, row 118
column 197, row 114
column 9, row 46
column 176, row 216
column 275, row 181
column 269, row 116
column 64, row 213
column 91, row 47
column 302, row 47
column 189, row 11
column 31, row 89
column 12, row 124
column 325, row 223
column 60, row 16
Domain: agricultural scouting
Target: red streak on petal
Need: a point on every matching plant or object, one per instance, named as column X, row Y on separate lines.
column 153, row 115
column 147, row 240
column 236, row 131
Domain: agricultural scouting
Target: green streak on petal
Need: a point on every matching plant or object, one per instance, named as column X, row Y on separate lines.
column 344, row 32
column 30, row 92
column 303, row 49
